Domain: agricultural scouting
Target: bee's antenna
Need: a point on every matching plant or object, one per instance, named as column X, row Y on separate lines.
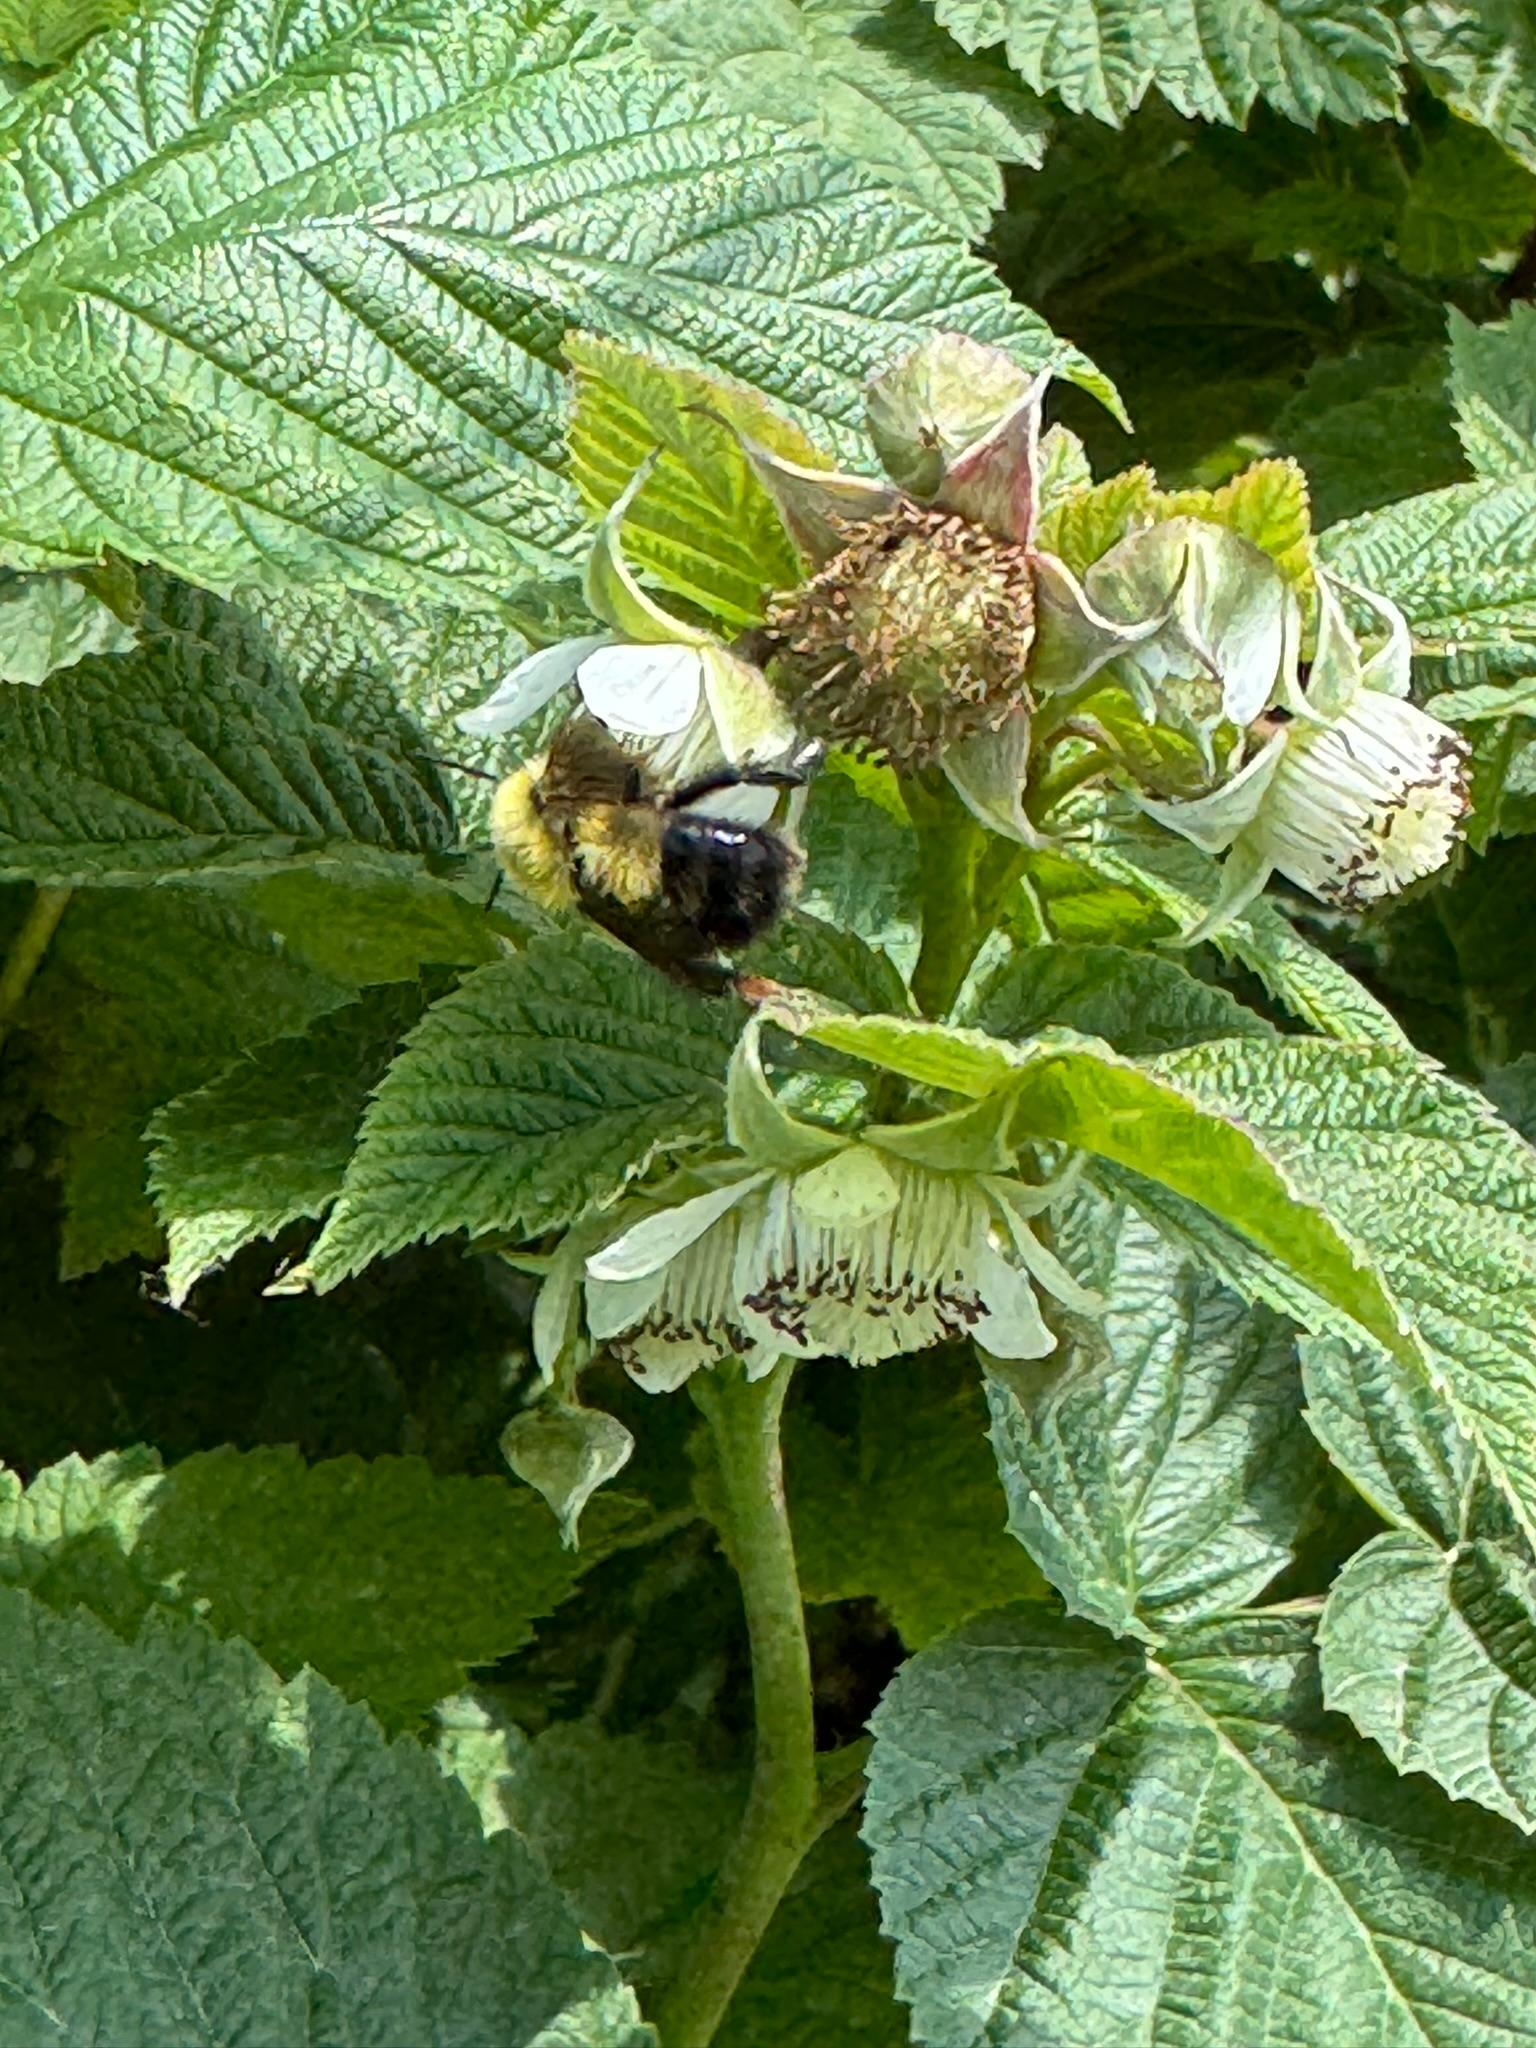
column 460, row 768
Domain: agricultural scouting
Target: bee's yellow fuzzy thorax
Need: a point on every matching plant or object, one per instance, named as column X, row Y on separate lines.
column 524, row 844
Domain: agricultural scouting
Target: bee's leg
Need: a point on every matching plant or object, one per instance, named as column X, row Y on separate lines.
column 705, row 972
column 495, row 891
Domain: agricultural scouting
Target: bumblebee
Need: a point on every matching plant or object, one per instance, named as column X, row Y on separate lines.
column 587, row 825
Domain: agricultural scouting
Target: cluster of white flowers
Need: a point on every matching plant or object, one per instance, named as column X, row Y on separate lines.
column 933, row 628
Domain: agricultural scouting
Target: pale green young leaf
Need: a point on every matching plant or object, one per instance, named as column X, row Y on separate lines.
column 52, row 622
column 1100, row 56
column 210, row 1851
column 910, row 1513
column 1480, row 56
column 1492, row 369
column 1467, row 201
column 539, row 1087
column 268, row 1141
column 198, row 750
column 870, row 79
column 387, row 1578
column 1184, row 1846
column 358, row 236
column 704, row 524
column 1457, row 562
column 1157, row 1465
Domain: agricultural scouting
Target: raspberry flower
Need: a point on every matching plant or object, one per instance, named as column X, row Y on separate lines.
column 930, row 624
column 813, row 1242
column 1353, row 792
column 672, row 692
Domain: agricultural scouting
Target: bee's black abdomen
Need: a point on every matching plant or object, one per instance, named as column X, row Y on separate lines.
column 729, row 881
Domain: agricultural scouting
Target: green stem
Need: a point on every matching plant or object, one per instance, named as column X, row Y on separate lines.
column 782, row 1817
column 950, row 845
column 26, row 955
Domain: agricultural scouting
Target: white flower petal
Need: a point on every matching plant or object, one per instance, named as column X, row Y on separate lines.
column 615, row 1305
column 1367, row 804
column 1214, row 821
column 528, row 687
column 646, row 1247
column 650, row 690
column 1010, row 1324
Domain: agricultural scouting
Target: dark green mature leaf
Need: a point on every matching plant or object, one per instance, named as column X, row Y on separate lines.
column 1182, row 1848
column 199, row 1853
column 630, row 1827
column 1137, row 1002
column 200, row 751
column 1467, row 201
column 269, row 1140
column 912, row 1513
column 823, row 1973
column 810, row 953
column 1372, row 427
column 1181, row 883
column 1100, row 56
column 1433, row 1652
column 871, row 79
column 42, row 33
column 541, row 1085
column 862, row 860
column 1458, row 563
column 357, row 237
column 1480, row 55
column 1157, row 1466
column 147, row 993
column 388, row 1579
column 1500, row 722
column 1353, row 1128
column 1491, row 382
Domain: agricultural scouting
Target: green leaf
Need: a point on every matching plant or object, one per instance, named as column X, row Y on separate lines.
column 1392, row 1437
column 704, row 523
column 146, row 994
column 870, row 79
column 53, row 622
column 1351, row 1128
column 1491, row 372
column 862, row 860
column 539, row 1087
column 42, row 33
column 269, row 1140
column 1480, row 56
column 1467, row 201
column 1176, row 1848
column 823, row 1972
column 630, row 1827
column 1457, row 563
column 1371, row 427
column 203, row 1845
column 1305, row 58
column 359, row 237
column 1500, row 721
column 910, row 1513
column 1157, row 1466
column 1182, row 883
column 198, row 751
column 361, row 926
column 386, row 1578
column 1137, row 1002
column 1433, row 1653
column 810, row 953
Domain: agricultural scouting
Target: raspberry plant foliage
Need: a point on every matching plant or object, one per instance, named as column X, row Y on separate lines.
column 976, row 1486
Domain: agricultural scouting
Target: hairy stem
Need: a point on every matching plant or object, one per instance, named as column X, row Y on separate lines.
column 950, row 844
column 782, row 1818
column 26, row 955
